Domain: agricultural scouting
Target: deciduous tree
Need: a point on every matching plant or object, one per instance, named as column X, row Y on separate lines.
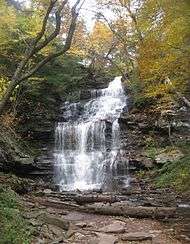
column 39, row 41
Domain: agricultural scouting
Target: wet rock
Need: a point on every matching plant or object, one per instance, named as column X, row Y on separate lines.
column 42, row 133
column 47, row 191
column 85, row 94
column 140, row 163
column 21, row 165
column 137, row 236
column 70, row 111
column 116, row 227
column 126, row 121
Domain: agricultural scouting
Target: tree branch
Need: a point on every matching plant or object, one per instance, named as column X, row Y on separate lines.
column 56, row 30
column 18, row 77
column 66, row 47
column 43, row 29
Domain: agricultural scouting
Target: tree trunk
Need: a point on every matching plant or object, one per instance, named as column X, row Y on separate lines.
column 123, row 209
column 7, row 95
column 21, row 74
column 114, row 209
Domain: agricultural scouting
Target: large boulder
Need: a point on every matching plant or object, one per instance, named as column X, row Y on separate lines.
column 168, row 156
column 116, row 227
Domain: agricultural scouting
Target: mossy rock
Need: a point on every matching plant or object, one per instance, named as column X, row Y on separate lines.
column 169, row 156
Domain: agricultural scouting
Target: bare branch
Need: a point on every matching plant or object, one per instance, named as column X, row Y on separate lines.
column 41, row 33
column 30, row 51
column 56, row 30
column 66, row 47
column 18, row 77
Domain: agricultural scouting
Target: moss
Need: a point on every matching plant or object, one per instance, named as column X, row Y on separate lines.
column 13, row 227
column 172, row 174
column 151, row 148
column 177, row 173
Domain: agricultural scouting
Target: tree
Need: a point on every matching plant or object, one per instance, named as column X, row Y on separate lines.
column 101, row 43
column 163, row 55
column 41, row 40
column 154, row 36
column 125, row 28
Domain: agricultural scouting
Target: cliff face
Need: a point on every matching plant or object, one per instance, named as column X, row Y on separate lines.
column 15, row 156
column 38, row 111
column 149, row 140
column 156, row 139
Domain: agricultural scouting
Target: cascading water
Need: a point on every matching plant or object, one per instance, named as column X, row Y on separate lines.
column 88, row 147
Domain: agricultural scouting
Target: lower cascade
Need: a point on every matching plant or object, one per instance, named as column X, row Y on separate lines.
column 88, row 151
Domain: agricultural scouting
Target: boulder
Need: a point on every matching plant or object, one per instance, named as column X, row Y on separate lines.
column 105, row 238
column 137, row 236
column 116, row 227
column 53, row 220
column 170, row 156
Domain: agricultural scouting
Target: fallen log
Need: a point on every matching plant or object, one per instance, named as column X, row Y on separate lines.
column 53, row 203
column 82, row 199
column 85, row 199
column 123, row 209
column 114, row 209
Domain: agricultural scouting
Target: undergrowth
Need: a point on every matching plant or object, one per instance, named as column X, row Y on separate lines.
column 13, row 227
column 177, row 173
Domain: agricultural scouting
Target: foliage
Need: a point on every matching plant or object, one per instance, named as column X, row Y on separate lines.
column 164, row 51
column 153, row 43
column 44, row 31
column 13, row 228
column 100, row 44
column 3, row 86
column 176, row 174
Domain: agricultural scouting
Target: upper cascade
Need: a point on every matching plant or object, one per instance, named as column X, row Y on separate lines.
column 88, row 145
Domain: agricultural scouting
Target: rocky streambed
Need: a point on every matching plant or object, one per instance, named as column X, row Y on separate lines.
column 140, row 215
column 151, row 216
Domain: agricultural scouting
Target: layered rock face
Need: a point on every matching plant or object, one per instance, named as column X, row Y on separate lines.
column 98, row 139
column 39, row 126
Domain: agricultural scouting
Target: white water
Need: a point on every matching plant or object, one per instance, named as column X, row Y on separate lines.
column 85, row 151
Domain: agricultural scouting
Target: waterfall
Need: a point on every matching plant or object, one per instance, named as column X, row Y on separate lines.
column 88, row 145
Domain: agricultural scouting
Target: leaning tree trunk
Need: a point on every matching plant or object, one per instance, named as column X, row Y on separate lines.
column 39, row 42
column 7, row 95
